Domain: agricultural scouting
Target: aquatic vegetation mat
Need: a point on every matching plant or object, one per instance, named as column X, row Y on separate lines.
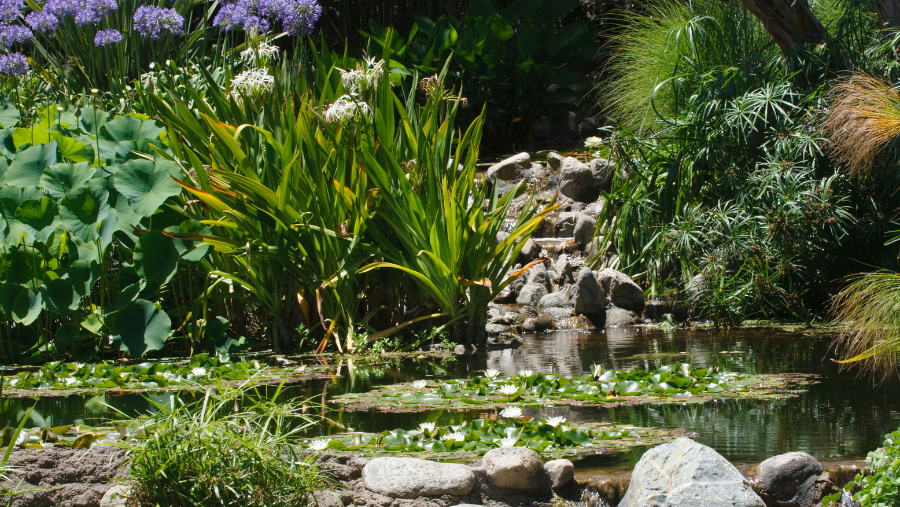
column 551, row 437
column 676, row 383
column 62, row 379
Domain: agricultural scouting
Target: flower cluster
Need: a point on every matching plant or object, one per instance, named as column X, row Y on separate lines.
column 156, row 22
column 14, row 34
column 13, row 64
column 107, row 37
column 41, row 21
column 364, row 77
column 9, row 10
column 262, row 51
column 84, row 12
column 346, row 109
column 252, row 81
column 297, row 17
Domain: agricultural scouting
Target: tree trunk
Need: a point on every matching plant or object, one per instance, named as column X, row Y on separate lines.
column 790, row 22
column 888, row 14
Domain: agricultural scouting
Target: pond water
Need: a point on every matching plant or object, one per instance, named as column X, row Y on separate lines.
column 840, row 418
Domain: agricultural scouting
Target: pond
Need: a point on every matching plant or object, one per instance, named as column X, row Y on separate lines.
column 840, row 418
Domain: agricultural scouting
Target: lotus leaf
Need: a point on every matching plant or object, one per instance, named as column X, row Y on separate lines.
column 59, row 179
column 82, row 274
column 141, row 327
column 9, row 113
column 59, row 296
column 27, row 306
column 147, row 184
column 156, row 258
column 82, row 210
column 28, row 166
column 37, row 217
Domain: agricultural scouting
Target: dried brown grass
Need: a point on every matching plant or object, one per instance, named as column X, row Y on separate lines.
column 863, row 122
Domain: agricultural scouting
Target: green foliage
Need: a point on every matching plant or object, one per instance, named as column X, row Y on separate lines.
column 208, row 453
column 880, row 488
column 868, row 306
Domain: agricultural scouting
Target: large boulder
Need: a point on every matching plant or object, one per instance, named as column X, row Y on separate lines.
column 509, row 169
column 622, row 291
column 559, row 299
column 536, row 324
column 565, row 224
column 589, row 299
column 561, row 473
column 554, row 160
column 514, row 468
column 602, row 171
column 576, row 181
column 530, row 251
column 620, row 317
column 584, row 230
column 794, row 479
column 684, row 473
column 531, row 294
column 412, row 478
column 540, row 276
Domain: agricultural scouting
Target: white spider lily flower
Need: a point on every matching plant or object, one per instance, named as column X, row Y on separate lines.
column 199, row 371
column 491, row 373
column 427, row 427
column 508, row 441
column 319, row 444
column 525, row 373
column 508, row 389
column 419, row 384
column 364, row 77
column 345, row 108
column 555, row 421
column 458, row 436
column 263, row 51
column 511, row 412
column 252, row 81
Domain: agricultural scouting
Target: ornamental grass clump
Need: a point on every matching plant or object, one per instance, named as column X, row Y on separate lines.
column 213, row 453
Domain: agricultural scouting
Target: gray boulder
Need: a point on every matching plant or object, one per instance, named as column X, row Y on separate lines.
column 554, row 160
column 536, row 324
column 684, row 473
column 531, row 294
column 584, row 230
column 602, row 171
column 539, row 275
column 589, row 299
column 514, row 468
column 412, row 478
column 559, row 299
column 495, row 329
column 560, row 313
column 622, row 291
column 561, row 473
column 564, row 268
column 530, row 251
column 620, row 317
column 576, row 181
column 510, row 168
column 565, row 224
column 794, row 479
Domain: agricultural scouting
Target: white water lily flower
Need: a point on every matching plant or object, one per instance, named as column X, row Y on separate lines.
column 592, row 142
column 427, row 427
column 510, row 431
column 508, row 441
column 364, row 77
column 199, row 371
column 252, row 81
column 456, row 428
column 525, row 373
column 265, row 52
column 491, row 373
column 511, row 412
column 508, row 389
column 319, row 444
column 458, row 436
column 555, row 421
column 596, row 370
column 419, row 384
column 346, row 108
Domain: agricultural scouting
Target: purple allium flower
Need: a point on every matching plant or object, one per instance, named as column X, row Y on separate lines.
column 42, row 22
column 155, row 21
column 300, row 17
column 12, row 34
column 13, row 64
column 9, row 10
column 107, row 37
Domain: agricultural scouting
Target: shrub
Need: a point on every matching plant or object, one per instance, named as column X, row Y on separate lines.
column 879, row 489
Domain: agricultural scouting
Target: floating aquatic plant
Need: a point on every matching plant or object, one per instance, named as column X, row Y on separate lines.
column 511, row 412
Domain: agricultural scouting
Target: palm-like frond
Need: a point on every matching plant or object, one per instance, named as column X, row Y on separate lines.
column 869, row 307
column 864, row 120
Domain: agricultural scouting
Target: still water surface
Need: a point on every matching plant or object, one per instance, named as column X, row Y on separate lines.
column 842, row 417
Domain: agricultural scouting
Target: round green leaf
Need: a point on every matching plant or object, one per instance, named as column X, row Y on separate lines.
column 82, row 210
column 156, row 258
column 68, row 334
column 82, row 274
column 141, row 327
column 28, row 166
column 27, row 306
column 59, row 297
column 147, row 184
column 36, row 217
column 59, row 179
column 8, row 293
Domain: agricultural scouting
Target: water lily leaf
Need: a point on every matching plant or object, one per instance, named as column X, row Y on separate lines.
column 147, row 184
column 59, row 179
column 82, row 210
column 140, row 327
column 628, row 387
column 37, row 217
column 27, row 306
column 59, row 297
column 156, row 258
column 28, row 166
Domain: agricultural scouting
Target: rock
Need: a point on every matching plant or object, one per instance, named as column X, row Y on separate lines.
column 684, row 473
column 514, row 468
column 539, row 275
column 589, row 299
column 530, row 251
column 536, row 324
column 589, row 127
column 509, row 169
column 559, row 299
column 560, row 313
column 572, row 124
column 507, row 319
column 576, row 181
column 460, row 350
column 620, row 317
column 584, row 230
column 656, row 310
column 495, row 329
column 554, row 160
column 516, row 285
column 531, row 294
column 602, row 171
column 116, row 496
column 564, row 268
column 596, row 207
column 501, row 235
column 494, row 314
column 468, row 505
column 788, row 480
column 412, row 478
column 561, row 473
column 565, row 224
column 622, row 291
